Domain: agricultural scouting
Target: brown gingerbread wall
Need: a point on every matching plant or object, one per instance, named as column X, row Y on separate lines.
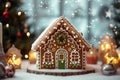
column 52, row 44
column 47, row 42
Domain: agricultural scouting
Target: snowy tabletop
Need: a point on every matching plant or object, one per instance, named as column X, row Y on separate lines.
column 21, row 74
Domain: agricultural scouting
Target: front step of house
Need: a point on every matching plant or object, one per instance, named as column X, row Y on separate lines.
column 60, row 72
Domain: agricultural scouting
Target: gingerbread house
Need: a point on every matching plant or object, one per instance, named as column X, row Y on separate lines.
column 61, row 46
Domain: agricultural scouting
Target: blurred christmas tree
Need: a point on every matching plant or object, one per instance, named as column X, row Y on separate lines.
column 15, row 28
column 116, row 18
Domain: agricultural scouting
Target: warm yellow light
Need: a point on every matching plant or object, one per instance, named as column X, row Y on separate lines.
column 119, row 56
column 102, row 47
column 107, row 37
column 15, row 61
column 26, row 56
column 6, row 6
column 111, row 60
column 91, row 52
column 19, row 13
column 7, row 25
column 32, row 57
column 13, row 57
column 107, row 46
column 28, row 34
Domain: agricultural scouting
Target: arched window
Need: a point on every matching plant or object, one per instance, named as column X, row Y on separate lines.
column 74, row 57
column 48, row 58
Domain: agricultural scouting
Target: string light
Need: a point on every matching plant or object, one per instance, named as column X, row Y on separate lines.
column 19, row 13
column 111, row 26
column 7, row 25
column 116, row 32
column 8, row 4
column 91, row 52
column 28, row 34
column 26, row 56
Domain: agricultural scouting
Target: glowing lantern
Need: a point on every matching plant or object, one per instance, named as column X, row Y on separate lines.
column 32, row 57
column 14, row 57
column 91, row 56
column 107, row 51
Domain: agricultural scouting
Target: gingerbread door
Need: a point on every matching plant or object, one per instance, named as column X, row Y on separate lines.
column 61, row 58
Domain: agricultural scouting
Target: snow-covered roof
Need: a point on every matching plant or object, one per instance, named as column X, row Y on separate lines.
column 60, row 22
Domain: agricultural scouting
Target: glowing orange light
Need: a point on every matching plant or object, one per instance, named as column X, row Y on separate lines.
column 91, row 52
column 111, row 60
column 15, row 61
column 32, row 57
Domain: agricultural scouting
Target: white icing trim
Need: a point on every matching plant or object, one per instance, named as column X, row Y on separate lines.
column 73, row 32
column 66, row 22
column 40, row 57
column 83, row 59
column 37, row 41
column 58, row 23
column 67, row 28
column 71, row 58
column 48, row 52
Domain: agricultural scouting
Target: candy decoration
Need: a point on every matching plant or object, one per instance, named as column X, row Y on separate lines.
column 10, row 70
column 6, row 14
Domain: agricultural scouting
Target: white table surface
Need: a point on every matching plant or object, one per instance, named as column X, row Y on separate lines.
column 21, row 74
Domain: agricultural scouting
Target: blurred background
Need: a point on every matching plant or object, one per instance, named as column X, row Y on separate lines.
column 24, row 20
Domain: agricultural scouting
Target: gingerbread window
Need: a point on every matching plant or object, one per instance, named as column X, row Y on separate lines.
column 47, row 58
column 75, row 57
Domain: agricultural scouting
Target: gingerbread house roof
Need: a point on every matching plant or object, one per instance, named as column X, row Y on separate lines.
column 51, row 29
